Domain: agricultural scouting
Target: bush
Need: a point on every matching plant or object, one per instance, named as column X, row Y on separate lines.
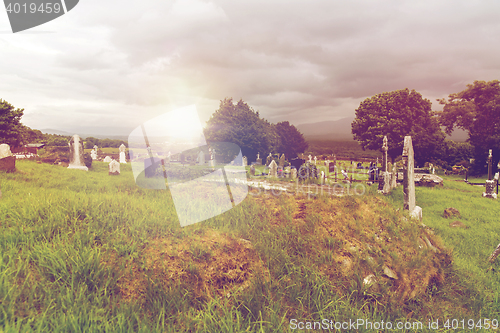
column 87, row 160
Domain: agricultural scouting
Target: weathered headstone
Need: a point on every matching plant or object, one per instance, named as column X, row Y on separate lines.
column 107, row 159
column 315, row 159
column 252, row 170
column 322, row 177
column 7, row 160
column 384, row 156
column 114, row 168
column 93, row 154
column 201, row 158
column 409, row 179
column 273, row 169
column 490, row 183
column 122, row 149
column 282, row 161
column 76, row 160
column 394, row 176
column 258, row 161
column 294, row 173
column 268, row 159
column 245, row 161
column 384, row 185
column 310, row 159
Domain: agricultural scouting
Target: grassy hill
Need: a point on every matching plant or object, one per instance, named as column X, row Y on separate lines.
column 85, row 251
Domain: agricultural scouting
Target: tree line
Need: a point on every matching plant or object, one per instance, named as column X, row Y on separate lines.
column 403, row 112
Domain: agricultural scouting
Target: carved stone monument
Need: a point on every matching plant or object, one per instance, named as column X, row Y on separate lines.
column 259, row 160
column 294, row 173
column 409, row 180
column 76, row 160
column 122, row 153
column 273, row 169
column 269, row 158
column 114, row 168
column 245, row 161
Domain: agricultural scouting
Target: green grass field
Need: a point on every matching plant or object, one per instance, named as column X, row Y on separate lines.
column 85, row 251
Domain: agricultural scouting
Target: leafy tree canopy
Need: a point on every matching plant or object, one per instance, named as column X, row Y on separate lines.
column 476, row 110
column 292, row 142
column 397, row 114
column 11, row 129
column 238, row 123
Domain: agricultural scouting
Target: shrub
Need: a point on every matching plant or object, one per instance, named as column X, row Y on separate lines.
column 87, row 160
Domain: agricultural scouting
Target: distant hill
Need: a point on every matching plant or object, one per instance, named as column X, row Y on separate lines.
column 328, row 130
column 340, row 130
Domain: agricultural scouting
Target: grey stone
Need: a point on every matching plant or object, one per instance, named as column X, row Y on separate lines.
column 252, row 170
column 244, row 161
column 76, row 160
column 294, row 173
column 429, row 180
column 416, row 213
column 450, row 211
column 107, row 159
column 458, row 224
column 282, row 161
column 390, row 273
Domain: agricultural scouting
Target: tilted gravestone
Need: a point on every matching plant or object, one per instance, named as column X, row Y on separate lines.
column 273, row 169
column 7, row 160
column 252, row 170
column 294, row 173
column 409, row 179
column 114, row 168
column 282, row 161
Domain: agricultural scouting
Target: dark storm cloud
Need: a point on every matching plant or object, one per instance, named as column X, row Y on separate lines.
column 301, row 61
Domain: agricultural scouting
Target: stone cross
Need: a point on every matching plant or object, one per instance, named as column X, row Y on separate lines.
column 258, row 156
column 315, row 159
column 384, row 149
column 310, row 157
column 408, row 175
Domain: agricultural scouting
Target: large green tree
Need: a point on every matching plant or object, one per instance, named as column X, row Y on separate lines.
column 238, row 123
column 291, row 141
column 477, row 111
column 397, row 114
column 11, row 130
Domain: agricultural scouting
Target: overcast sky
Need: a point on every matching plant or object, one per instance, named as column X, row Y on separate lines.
column 108, row 66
